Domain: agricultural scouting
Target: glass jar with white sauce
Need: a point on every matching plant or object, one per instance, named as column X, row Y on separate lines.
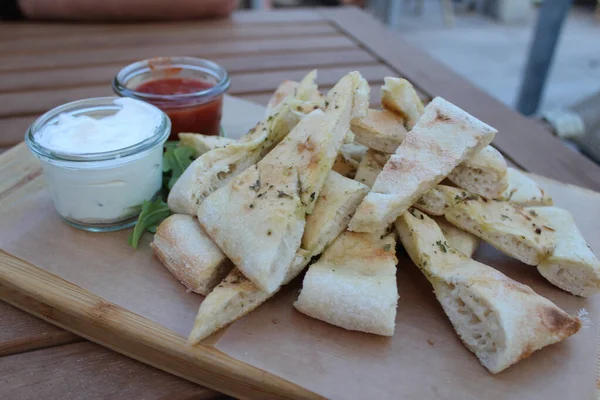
column 102, row 157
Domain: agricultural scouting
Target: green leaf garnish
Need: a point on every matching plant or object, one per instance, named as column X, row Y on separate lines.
column 175, row 161
column 153, row 213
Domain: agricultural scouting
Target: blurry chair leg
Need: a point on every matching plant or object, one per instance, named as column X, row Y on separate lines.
column 394, row 10
column 448, row 12
column 547, row 31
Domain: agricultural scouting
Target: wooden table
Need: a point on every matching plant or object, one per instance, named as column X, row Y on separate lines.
column 44, row 65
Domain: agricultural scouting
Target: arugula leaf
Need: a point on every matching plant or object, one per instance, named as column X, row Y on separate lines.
column 153, row 213
column 175, row 161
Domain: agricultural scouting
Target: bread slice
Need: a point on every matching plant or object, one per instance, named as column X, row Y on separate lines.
column 304, row 92
column 439, row 199
column 443, row 138
column 258, row 218
column 483, row 174
column 524, row 191
column 572, row 266
column 355, row 151
column 380, row 130
column 237, row 295
column 203, row 143
column 500, row 320
column 463, row 241
column 370, row 167
column 218, row 167
column 189, row 254
column 353, row 285
column 399, row 96
column 336, row 205
column 345, row 165
column 508, row 227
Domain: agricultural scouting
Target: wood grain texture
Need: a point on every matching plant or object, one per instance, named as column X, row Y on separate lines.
column 207, row 32
column 68, row 306
column 524, row 140
column 123, row 55
column 39, row 101
column 95, row 75
column 18, row 167
column 86, row 370
column 11, row 30
column 22, row 332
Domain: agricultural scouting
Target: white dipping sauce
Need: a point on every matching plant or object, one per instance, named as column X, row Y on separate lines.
column 103, row 191
column 132, row 124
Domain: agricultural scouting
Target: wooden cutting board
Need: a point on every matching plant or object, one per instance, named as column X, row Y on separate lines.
column 31, row 266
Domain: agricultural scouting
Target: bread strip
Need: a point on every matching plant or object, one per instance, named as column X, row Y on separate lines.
column 336, row 205
column 524, row 191
column 203, row 143
column 400, row 97
column 439, row 199
column 305, row 91
column 572, row 266
column 370, row 167
column 345, row 166
column 258, row 218
column 353, row 285
column 444, row 137
column 218, row 167
column 380, row 130
column 236, row 296
column 458, row 239
column 189, row 254
column 483, row 174
column 507, row 227
column 497, row 318
column 355, row 151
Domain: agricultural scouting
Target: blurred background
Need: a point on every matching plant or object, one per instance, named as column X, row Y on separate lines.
column 539, row 57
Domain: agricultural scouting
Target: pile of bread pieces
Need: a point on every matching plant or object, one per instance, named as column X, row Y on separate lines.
column 326, row 182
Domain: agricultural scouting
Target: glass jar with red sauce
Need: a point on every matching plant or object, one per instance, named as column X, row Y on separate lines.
column 189, row 90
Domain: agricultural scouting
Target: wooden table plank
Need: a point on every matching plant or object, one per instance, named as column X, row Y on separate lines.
column 523, row 140
column 39, row 101
column 88, row 371
column 208, row 32
column 103, row 56
column 22, row 332
column 85, row 76
column 19, row 29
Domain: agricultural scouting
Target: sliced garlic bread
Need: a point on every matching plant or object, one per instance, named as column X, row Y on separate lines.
column 483, row 174
column 444, row 137
column 508, row 227
column 400, row 97
column 380, row 130
column 439, row 199
column 216, row 168
column 345, row 165
column 189, row 254
column 572, row 266
column 458, row 239
column 497, row 318
column 237, row 295
column 203, row 143
column 258, row 218
column 336, row 205
column 370, row 167
column 353, row 285
column 524, row 191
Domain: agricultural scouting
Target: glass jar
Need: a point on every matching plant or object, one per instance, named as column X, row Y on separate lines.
column 189, row 90
column 101, row 191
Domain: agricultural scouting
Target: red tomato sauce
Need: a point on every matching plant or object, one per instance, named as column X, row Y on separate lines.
column 185, row 114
